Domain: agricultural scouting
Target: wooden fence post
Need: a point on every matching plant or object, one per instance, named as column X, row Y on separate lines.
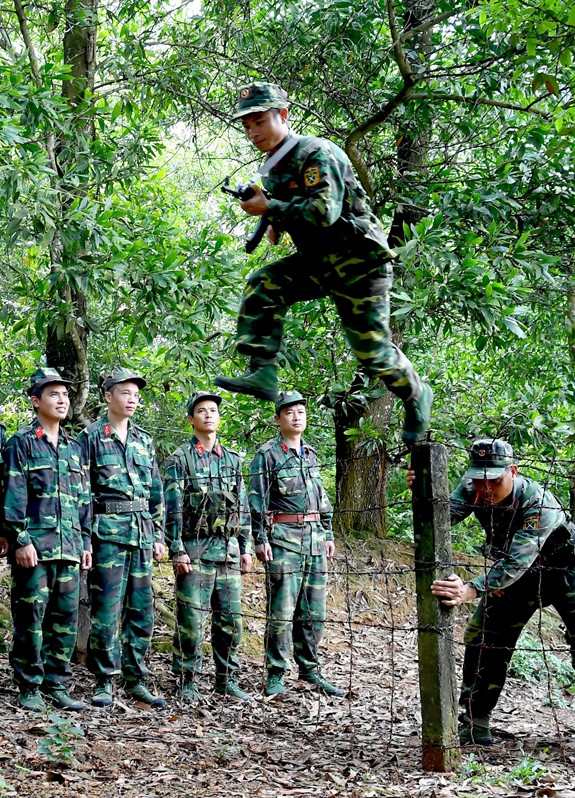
column 433, row 560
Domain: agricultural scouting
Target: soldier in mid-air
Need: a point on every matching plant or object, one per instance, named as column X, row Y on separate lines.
column 342, row 252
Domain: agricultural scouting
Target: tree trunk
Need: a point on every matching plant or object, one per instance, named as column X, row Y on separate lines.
column 362, row 477
column 66, row 344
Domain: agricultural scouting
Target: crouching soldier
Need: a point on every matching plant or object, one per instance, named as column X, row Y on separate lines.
column 47, row 521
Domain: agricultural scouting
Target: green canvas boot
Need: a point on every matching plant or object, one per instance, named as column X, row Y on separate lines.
column 190, row 692
column 60, row 698
column 474, row 731
column 103, row 694
column 231, row 687
column 417, row 415
column 260, row 381
column 323, row 684
column 31, row 698
column 275, row 684
column 139, row 692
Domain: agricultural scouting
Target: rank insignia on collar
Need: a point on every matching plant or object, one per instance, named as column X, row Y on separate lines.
column 39, row 432
column 107, row 429
column 218, row 450
column 285, row 448
column 311, row 176
column 200, row 448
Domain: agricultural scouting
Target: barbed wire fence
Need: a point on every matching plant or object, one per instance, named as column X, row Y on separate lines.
column 371, row 633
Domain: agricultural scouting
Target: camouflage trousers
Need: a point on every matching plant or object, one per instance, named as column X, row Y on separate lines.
column 44, row 603
column 494, row 629
column 296, row 609
column 359, row 284
column 121, row 598
column 214, row 586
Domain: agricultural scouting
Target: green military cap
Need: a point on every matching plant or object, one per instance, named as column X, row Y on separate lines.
column 489, row 458
column 120, row 374
column 199, row 396
column 287, row 398
column 44, row 376
column 258, row 97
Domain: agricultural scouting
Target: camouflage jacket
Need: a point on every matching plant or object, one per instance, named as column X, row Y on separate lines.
column 47, row 498
column 317, row 199
column 3, row 532
column 207, row 513
column 530, row 524
column 284, row 481
column 121, row 472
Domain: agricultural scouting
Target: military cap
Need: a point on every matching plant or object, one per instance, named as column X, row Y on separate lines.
column 199, row 396
column 287, row 398
column 44, row 376
column 120, row 374
column 258, row 97
column 489, row 458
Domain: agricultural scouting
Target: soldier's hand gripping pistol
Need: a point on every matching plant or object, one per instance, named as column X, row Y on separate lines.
column 245, row 193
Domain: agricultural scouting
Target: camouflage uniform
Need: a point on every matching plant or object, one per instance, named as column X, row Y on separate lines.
column 123, row 540
column 46, row 503
column 342, row 253
column 207, row 517
column 283, row 481
column 532, row 544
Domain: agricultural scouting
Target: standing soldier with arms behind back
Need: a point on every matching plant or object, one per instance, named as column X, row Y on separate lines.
column 47, row 520
column 127, row 536
column 291, row 523
column 208, row 533
column 342, row 252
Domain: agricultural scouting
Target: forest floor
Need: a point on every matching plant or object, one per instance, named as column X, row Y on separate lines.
column 304, row 744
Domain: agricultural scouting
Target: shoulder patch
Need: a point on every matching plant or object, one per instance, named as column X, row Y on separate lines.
column 311, row 176
column 533, row 522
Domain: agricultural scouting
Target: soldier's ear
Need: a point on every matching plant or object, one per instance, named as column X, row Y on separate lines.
column 284, row 113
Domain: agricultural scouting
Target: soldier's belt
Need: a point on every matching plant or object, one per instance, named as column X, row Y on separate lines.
column 121, row 507
column 296, row 518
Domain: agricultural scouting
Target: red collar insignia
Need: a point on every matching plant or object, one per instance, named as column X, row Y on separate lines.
column 218, row 450
column 285, row 448
column 39, row 432
column 107, row 429
column 200, row 448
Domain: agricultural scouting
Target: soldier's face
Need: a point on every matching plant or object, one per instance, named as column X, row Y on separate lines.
column 123, row 399
column 53, row 404
column 206, row 417
column 267, row 129
column 292, row 420
column 494, row 491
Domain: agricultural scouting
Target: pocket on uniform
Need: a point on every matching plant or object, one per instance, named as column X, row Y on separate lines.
column 41, row 473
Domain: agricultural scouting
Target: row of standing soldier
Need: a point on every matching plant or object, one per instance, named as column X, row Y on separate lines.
column 97, row 502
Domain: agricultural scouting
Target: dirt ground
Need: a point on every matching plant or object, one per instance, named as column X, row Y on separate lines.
column 304, row 744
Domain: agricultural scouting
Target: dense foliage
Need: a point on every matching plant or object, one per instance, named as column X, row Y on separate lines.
column 115, row 237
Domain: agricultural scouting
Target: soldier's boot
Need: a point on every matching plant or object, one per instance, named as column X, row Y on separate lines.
column 417, row 414
column 323, row 684
column 31, row 698
column 474, row 731
column 229, row 686
column 61, row 699
column 261, row 380
column 190, row 691
column 139, row 692
column 275, row 684
column 103, row 694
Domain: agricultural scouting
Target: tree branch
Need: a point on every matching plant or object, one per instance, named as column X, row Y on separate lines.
column 460, row 98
